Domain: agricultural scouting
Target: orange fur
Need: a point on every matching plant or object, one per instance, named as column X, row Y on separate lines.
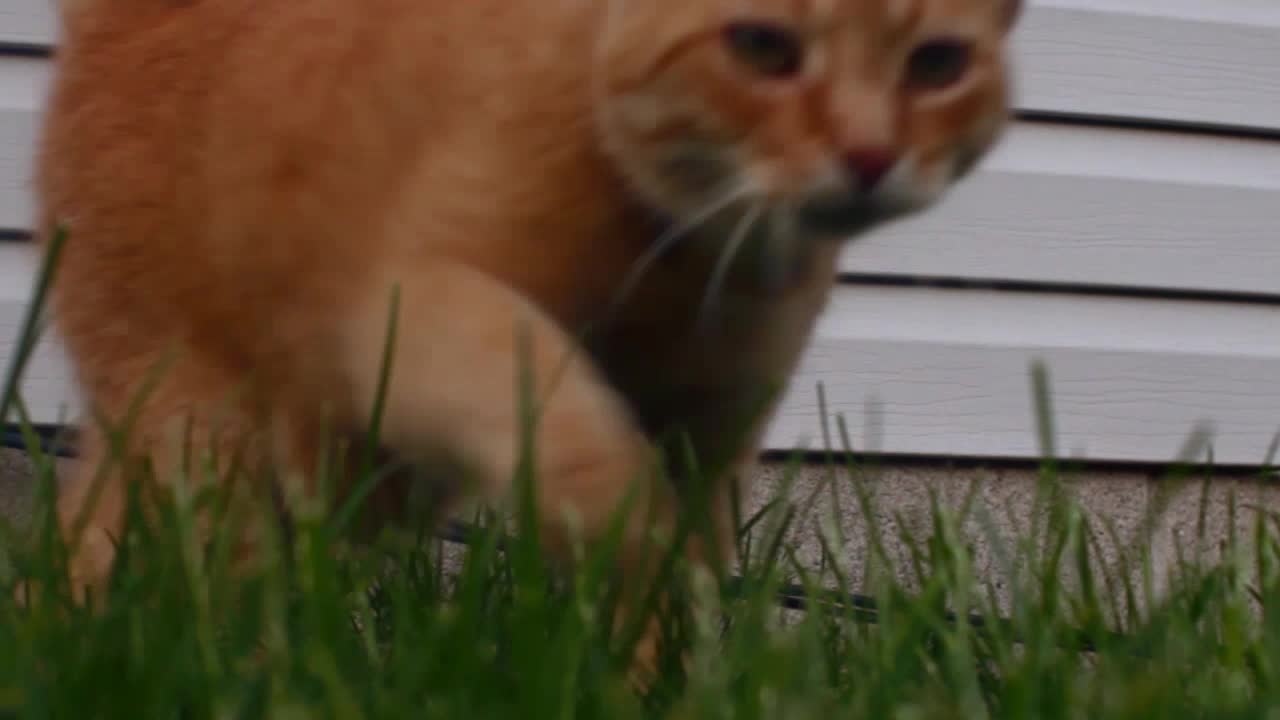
column 244, row 181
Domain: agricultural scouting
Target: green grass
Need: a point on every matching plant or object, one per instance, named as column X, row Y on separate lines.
column 324, row 627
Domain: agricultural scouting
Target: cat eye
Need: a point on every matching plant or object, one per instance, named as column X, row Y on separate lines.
column 938, row 64
column 772, row 50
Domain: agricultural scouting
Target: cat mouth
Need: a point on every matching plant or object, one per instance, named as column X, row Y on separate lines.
column 842, row 215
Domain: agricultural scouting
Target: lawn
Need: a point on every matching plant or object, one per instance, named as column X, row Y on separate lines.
column 403, row 628
column 408, row 625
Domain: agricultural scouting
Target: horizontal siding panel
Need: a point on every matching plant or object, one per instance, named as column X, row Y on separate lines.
column 947, row 373
column 1110, row 207
column 1208, row 62
column 967, row 401
column 17, row 137
column 1189, row 61
column 28, row 22
column 19, row 263
column 24, row 83
column 47, row 388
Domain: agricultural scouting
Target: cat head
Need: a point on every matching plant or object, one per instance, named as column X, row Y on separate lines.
column 836, row 114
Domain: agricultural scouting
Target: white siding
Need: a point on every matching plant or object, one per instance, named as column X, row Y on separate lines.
column 17, row 130
column 1214, row 62
column 23, row 82
column 28, row 22
column 945, row 372
column 47, row 388
column 1063, row 204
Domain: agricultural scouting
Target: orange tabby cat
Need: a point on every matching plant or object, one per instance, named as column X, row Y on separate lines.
column 245, row 181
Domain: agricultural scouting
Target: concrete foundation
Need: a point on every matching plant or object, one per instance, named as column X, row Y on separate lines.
column 1117, row 503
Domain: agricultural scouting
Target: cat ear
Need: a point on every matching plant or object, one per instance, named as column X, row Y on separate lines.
column 1010, row 11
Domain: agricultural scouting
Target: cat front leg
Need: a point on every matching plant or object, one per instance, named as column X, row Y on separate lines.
column 454, row 386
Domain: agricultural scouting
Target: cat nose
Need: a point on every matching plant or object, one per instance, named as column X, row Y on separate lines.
column 868, row 166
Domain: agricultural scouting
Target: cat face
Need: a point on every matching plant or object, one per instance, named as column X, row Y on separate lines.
column 831, row 114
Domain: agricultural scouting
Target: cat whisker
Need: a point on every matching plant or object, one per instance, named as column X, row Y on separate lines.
column 710, row 299
column 671, row 236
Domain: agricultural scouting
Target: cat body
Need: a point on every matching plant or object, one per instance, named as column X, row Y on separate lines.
column 655, row 194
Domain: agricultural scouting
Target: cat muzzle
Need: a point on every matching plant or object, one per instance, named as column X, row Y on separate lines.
column 843, row 213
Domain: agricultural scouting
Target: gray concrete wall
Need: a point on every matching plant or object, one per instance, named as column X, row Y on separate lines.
column 16, row 486
column 1001, row 513
column 902, row 498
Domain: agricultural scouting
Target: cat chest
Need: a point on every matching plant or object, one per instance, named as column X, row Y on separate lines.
column 711, row 376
